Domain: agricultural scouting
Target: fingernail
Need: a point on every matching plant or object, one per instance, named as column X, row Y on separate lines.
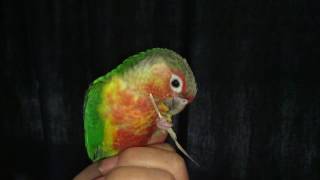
column 106, row 165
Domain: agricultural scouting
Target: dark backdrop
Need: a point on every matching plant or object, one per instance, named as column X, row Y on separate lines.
column 257, row 113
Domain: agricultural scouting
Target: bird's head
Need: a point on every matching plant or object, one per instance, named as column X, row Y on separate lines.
column 171, row 81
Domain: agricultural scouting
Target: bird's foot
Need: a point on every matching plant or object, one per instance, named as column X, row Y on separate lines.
column 162, row 123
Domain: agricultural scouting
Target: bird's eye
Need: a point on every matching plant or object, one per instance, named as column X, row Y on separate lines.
column 176, row 83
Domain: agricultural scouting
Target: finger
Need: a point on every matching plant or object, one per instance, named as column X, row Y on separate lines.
column 100, row 178
column 90, row 172
column 164, row 146
column 141, row 173
column 155, row 158
column 107, row 164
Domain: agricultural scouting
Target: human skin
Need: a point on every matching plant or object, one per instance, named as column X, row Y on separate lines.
column 159, row 161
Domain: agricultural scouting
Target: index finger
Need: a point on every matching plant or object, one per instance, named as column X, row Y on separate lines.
column 164, row 146
column 154, row 158
column 97, row 169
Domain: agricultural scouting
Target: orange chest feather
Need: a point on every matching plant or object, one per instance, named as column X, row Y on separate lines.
column 127, row 108
column 132, row 117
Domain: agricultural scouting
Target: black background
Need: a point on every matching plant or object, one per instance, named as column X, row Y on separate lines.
column 257, row 112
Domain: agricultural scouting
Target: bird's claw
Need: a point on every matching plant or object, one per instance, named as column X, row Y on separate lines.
column 162, row 123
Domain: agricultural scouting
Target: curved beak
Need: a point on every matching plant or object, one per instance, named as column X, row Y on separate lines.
column 176, row 104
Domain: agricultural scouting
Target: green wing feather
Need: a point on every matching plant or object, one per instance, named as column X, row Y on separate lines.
column 93, row 123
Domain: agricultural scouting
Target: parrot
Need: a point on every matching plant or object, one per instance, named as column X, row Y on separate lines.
column 133, row 104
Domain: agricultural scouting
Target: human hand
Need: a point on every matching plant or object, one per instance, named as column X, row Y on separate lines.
column 159, row 161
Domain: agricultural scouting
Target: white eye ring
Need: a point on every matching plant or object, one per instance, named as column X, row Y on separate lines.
column 176, row 83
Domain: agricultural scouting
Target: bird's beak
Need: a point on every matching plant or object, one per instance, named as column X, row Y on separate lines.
column 176, row 104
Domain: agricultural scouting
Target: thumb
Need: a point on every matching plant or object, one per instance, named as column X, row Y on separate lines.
column 106, row 165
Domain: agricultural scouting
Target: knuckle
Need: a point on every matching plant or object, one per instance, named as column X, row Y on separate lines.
column 168, row 176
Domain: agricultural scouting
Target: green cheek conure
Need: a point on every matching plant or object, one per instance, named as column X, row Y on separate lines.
column 133, row 104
